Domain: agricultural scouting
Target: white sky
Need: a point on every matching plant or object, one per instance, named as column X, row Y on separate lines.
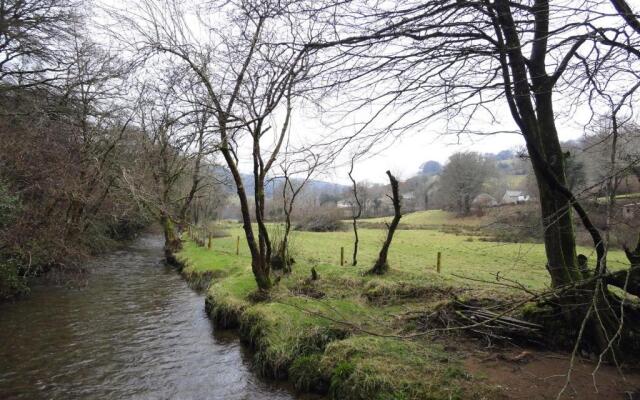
column 417, row 146
column 405, row 155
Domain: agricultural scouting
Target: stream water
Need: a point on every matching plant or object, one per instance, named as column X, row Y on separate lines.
column 135, row 330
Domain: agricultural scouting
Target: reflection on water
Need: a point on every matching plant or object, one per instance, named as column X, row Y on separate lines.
column 135, row 331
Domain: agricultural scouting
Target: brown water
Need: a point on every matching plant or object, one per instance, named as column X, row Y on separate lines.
column 134, row 331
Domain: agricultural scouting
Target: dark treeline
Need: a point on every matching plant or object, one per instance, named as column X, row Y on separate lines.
column 83, row 163
column 61, row 198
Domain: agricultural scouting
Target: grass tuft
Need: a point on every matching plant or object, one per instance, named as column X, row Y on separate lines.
column 306, row 374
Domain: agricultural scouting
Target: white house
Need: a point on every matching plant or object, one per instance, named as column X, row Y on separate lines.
column 515, row 197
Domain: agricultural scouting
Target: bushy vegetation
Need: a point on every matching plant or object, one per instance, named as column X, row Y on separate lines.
column 12, row 282
column 321, row 222
column 68, row 205
column 9, row 206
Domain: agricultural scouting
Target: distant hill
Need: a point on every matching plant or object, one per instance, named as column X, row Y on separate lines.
column 223, row 175
column 312, row 185
column 430, row 168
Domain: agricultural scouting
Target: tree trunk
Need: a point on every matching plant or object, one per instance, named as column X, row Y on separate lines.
column 524, row 80
column 287, row 208
column 467, row 204
column 356, row 216
column 356, row 242
column 257, row 264
column 284, row 252
column 557, row 222
column 538, row 128
column 381, row 266
column 259, row 172
column 172, row 242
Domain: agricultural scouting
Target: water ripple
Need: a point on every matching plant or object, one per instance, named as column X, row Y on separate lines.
column 136, row 331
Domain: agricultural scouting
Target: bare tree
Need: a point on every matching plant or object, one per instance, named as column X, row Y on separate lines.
column 249, row 79
column 174, row 143
column 34, row 39
column 89, row 92
column 463, row 178
column 381, row 265
column 291, row 188
column 356, row 213
column 61, row 104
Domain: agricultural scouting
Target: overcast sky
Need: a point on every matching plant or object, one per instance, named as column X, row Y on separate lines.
column 430, row 142
column 405, row 155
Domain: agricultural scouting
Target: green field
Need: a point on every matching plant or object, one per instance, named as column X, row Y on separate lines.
column 621, row 198
column 342, row 330
column 429, row 219
column 413, row 255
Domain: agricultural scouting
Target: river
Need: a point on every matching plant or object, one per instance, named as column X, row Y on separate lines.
column 134, row 330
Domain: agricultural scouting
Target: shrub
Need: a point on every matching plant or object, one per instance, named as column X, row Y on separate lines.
column 9, row 206
column 281, row 259
column 325, row 222
column 306, row 375
column 11, row 283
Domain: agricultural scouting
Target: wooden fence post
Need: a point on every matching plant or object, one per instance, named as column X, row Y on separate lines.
column 438, row 265
column 238, row 245
column 209, row 244
column 341, row 256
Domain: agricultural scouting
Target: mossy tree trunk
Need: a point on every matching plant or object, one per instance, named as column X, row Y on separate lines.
column 529, row 89
column 381, row 266
column 259, row 265
column 172, row 242
column 538, row 128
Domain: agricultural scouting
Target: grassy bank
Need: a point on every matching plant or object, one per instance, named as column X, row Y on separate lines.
column 199, row 267
column 339, row 334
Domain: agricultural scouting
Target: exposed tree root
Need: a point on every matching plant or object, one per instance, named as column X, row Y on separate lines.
column 481, row 322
